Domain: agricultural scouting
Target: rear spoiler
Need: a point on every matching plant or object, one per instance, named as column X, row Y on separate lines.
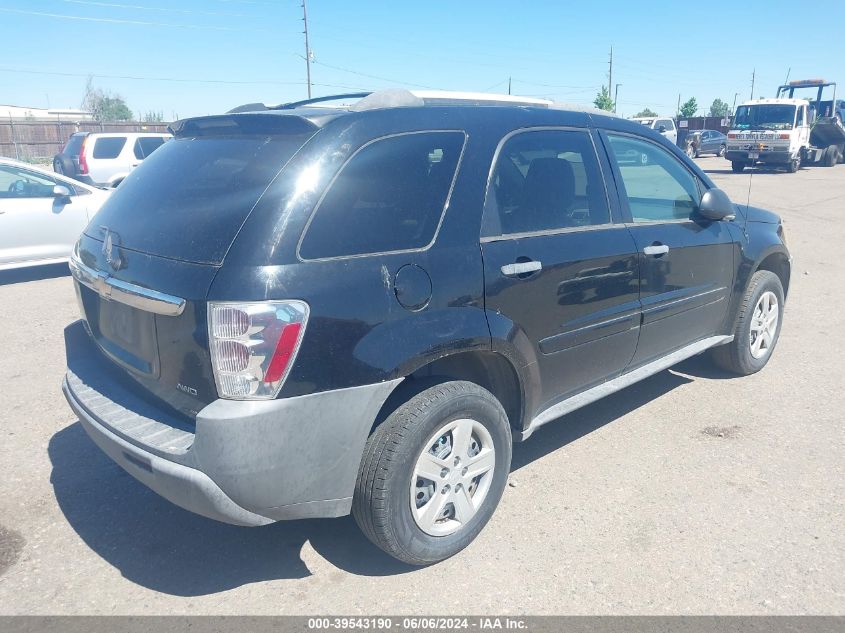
column 236, row 124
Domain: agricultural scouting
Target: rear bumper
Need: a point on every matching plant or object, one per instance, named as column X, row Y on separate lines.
column 243, row 462
column 774, row 158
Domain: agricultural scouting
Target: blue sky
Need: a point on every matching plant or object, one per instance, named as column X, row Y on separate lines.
column 155, row 52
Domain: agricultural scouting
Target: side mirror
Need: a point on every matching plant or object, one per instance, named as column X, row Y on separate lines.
column 661, row 129
column 60, row 191
column 715, row 205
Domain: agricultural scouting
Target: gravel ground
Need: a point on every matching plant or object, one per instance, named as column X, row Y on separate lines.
column 689, row 493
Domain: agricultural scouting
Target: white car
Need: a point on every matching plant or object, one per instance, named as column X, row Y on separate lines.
column 663, row 125
column 41, row 214
column 106, row 158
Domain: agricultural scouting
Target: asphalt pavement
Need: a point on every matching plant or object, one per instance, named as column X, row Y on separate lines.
column 689, row 493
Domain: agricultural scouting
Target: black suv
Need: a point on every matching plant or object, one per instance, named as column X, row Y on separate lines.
column 305, row 312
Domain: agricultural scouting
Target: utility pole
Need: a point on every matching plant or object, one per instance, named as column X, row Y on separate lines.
column 616, row 97
column 509, row 85
column 307, row 48
column 788, row 72
column 753, row 77
column 678, row 109
column 610, row 74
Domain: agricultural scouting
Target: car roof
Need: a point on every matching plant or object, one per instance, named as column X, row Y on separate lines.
column 132, row 134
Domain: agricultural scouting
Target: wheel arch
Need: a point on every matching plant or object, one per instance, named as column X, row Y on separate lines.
column 488, row 369
column 778, row 263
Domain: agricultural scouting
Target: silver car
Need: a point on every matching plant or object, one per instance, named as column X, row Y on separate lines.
column 41, row 214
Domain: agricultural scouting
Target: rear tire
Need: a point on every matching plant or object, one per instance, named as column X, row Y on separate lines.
column 737, row 167
column 722, row 150
column 831, row 156
column 757, row 327
column 392, row 501
column 57, row 167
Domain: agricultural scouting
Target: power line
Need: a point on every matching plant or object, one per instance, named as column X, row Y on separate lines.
column 178, row 79
column 137, row 7
column 355, row 72
column 60, row 16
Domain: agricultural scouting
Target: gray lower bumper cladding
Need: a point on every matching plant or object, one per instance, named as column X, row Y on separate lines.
column 246, row 462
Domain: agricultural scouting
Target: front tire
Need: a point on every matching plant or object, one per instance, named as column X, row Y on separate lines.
column 737, row 167
column 794, row 165
column 757, row 327
column 722, row 150
column 433, row 473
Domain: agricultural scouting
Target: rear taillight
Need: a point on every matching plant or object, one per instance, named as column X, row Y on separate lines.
column 83, row 164
column 253, row 346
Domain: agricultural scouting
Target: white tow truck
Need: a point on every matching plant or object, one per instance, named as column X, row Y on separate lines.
column 787, row 131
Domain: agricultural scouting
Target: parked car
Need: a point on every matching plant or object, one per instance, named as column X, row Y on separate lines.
column 41, row 214
column 300, row 312
column 662, row 125
column 706, row 142
column 105, row 158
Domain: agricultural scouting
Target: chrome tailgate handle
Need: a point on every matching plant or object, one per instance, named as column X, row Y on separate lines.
column 521, row 268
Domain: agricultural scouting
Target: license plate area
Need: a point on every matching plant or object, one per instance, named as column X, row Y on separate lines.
column 126, row 334
column 754, row 155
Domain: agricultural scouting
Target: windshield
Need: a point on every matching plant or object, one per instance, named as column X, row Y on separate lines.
column 764, row 117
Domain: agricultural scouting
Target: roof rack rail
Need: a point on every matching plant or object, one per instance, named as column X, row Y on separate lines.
column 401, row 97
column 307, row 102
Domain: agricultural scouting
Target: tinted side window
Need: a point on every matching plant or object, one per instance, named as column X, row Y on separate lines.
column 109, row 146
column 146, row 145
column 19, row 183
column 545, row 180
column 390, row 196
column 658, row 186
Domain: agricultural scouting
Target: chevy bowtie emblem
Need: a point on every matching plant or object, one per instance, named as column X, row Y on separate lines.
column 110, row 249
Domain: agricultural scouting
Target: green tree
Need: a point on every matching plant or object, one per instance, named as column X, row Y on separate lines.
column 646, row 112
column 719, row 108
column 105, row 106
column 689, row 108
column 153, row 116
column 603, row 100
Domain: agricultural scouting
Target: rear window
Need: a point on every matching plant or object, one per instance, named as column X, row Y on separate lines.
column 109, row 147
column 146, row 145
column 188, row 200
column 74, row 144
column 390, row 196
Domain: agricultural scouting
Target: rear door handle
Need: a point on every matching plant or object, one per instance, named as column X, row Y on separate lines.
column 521, row 268
column 656, row 250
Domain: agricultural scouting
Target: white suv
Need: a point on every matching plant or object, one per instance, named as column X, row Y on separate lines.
column 105, row 158
column 664, row 125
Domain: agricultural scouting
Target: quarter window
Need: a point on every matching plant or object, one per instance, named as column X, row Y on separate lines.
column 109, row 146
column 545, row 180
column 390, row 196
column 657, row 185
